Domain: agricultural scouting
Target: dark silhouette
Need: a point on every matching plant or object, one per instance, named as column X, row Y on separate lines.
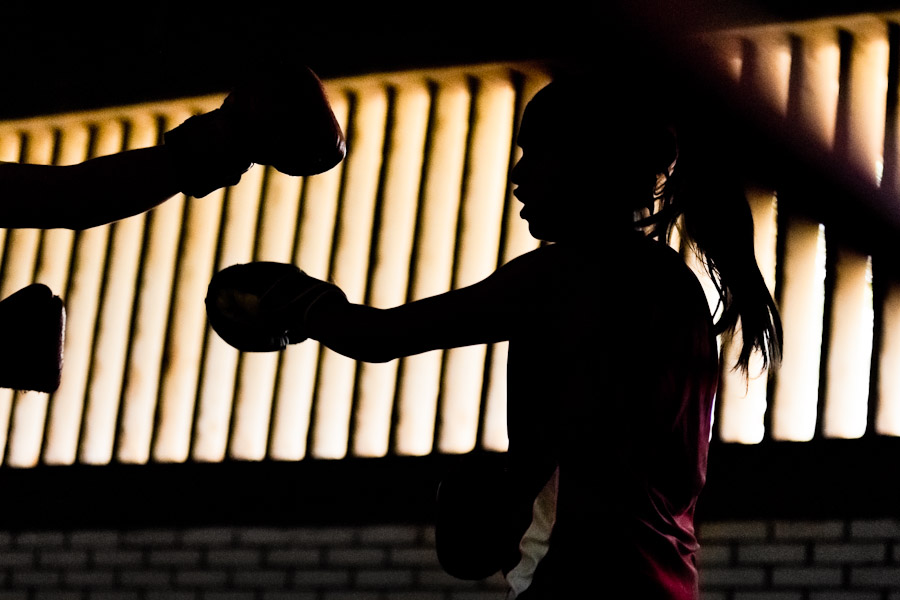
column 278, row 115
column 613, row 362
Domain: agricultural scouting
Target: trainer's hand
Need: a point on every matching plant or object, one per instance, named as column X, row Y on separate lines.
column 33, row 322
column 278, row 115
column 263, row 306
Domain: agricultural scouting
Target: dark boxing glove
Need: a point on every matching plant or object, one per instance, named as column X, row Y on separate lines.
column 277, row 116
column 263, row 306
column 33, row 323
column 471, row 529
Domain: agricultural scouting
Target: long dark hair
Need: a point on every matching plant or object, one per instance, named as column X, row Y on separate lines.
column 704, row 190
column 700, row 190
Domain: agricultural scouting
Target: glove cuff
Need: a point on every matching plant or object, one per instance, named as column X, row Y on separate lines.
column 205, row 155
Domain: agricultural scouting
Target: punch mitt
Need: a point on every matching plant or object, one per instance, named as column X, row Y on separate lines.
column 33, row 323
column 277, row 115
column 263, row 306
column 282, row 118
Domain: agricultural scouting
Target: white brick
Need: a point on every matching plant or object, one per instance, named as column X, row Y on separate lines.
column 849, row 553
column 40, row 538
column 145, row 578
column 150, row 537
column 714, row 554
column 732, row 577
column 174, row 558
column 812, row 530
column 836, row 595
column 294, row 556
column 62, row 558
column 198, row 578
column 881, row 528
column 413, row 557
column 356, row 556
column 120, row 558
column 236, row 557
column 874, row 576
column 208, row 536
column 383, row 578
column 733, row 530
column 42, row 579
column 807, row 576
column 768, row 596
column 94, row 538
column 258, row 578
column 771, row 553
column 333, row 578
column 89, row 579
column 401, row 534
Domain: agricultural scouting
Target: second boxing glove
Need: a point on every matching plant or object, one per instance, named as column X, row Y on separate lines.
column 262, row 306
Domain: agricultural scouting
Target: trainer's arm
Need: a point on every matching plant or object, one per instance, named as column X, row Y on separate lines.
column 84, row 195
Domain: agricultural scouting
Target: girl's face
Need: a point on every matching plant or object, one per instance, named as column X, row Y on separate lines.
column 575, row 184
column 551, row 178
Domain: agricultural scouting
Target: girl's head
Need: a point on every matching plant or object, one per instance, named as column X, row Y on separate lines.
column 598, row 151
column 590, row 159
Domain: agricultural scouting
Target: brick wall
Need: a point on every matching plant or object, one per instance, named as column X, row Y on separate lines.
column 801, row 560
column 391, row 562
column 740, row 560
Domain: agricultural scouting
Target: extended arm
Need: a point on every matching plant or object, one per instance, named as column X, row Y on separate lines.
column 95, row 192
column 478, row 314
column 279, row 117
column 265, row 306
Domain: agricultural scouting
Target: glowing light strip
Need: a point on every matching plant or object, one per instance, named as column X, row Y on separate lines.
column 29, row 409
column 479, row 244
column 350, row 270
column 258, row 371
column 220, row 361
column 432, row 274
column 743, row 400
column 296, row 389
column 390, row 269
column 187, row 323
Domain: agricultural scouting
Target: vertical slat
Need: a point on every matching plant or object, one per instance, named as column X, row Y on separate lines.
column 256, row 381
column 517, row 241
column 220, row 361
column 801, row 305
column 153, row 303
column 56, row 260
column 10, row 151
column 432, row 272
column 479, row 242
column 849, row 347
column 187, row 323
column 863, row 143
column 887, row 418
column 330, row 434
column 29, row 408
column 743, row 399
column 814, row 98
column 81, row 298
column 767, row 71
column 297, row 375
column 107, row 369
column 390, row 268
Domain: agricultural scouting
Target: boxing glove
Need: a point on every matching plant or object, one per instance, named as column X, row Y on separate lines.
column 33, row 323
column 263, row 306
column 277, row 116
